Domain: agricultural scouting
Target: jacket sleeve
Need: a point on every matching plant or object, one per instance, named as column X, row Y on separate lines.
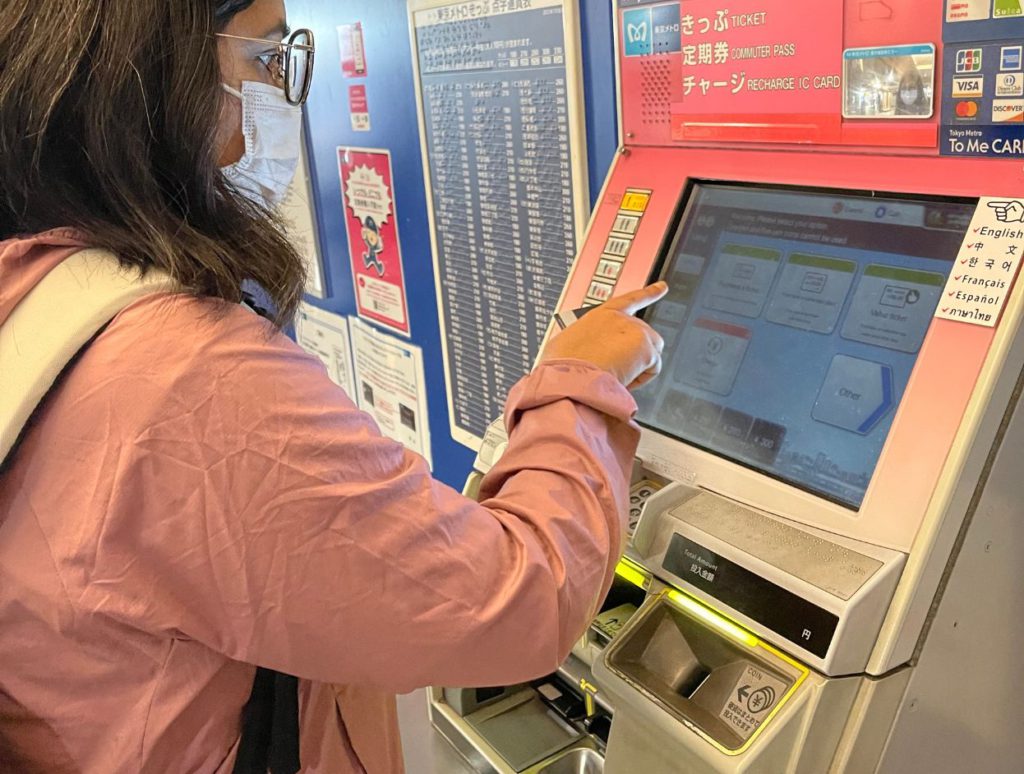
column 278, row 527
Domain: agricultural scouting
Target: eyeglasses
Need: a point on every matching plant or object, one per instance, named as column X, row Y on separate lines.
column 290, row 64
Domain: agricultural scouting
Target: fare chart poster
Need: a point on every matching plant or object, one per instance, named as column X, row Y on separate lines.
column 376, row 255
column 499, row 89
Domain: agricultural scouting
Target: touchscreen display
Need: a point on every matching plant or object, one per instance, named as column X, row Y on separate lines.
column 793, row 322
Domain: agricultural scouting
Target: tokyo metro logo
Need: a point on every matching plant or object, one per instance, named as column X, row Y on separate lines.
column 636, row 33
column 968, row 60
column 638, row 27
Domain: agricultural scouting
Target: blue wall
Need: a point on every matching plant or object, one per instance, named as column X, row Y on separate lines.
column 392, row 99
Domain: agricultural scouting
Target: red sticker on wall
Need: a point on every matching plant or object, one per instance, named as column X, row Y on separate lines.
column 372, row 227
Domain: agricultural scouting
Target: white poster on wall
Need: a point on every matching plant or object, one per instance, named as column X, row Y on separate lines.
column 326, row 335
column 390, row 386
column 299, row 215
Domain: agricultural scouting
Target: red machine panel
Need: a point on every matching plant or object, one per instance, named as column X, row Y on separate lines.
column 756, row 71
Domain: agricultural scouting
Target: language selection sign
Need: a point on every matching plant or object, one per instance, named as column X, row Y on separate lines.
column 372, row 227
column 986, row 265
column 766, row 68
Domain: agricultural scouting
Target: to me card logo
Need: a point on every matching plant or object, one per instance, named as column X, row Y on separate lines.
column 968, row 60
column 637, row 28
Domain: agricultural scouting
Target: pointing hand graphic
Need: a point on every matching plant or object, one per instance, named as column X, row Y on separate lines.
column 1008, row 212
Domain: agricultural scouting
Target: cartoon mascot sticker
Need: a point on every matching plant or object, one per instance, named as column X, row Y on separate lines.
column 370, row 202
column 374, row 246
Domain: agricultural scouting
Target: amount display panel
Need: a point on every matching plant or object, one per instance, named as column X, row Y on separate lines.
column 792, row 326
column 500, row 114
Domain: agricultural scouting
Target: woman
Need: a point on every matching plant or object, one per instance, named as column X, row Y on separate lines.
column 195, row 499
column 911, row 99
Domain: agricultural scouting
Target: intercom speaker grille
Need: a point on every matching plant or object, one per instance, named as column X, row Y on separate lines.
column 656, row 94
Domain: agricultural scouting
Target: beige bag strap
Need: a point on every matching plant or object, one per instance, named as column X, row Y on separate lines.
column 53, row 322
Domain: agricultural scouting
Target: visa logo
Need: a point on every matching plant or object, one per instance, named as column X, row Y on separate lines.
column 969, row 87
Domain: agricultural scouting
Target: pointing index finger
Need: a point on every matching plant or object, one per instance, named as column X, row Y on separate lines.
column 634, row 301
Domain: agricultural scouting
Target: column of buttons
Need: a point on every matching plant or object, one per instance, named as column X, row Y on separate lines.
column 616, row 249
column 639, row 494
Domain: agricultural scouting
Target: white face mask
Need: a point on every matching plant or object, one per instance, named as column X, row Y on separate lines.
column 272, row 128
column 908, row 96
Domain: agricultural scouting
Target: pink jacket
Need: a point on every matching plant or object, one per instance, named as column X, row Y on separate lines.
column 197, row 497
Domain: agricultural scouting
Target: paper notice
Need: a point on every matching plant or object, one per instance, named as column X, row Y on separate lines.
column 352, row 47
column 986, row 265
column 359, row 108
column 326, row 335
column 390, row 386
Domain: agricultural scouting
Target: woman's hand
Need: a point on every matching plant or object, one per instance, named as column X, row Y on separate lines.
column 611, row 338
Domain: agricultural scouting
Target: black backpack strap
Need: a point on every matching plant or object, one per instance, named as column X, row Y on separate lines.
column 270, row 726
column 270, row 719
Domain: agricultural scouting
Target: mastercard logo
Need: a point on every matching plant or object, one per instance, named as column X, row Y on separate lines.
column 967, row 109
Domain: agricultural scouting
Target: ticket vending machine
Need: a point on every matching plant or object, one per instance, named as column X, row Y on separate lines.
column 822, row 570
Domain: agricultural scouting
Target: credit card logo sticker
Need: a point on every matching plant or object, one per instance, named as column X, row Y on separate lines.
column 1008, row 111
column 969, row 87
column 967, row 110
column 1010, row 85
column 1010, row 57
column 968, row 60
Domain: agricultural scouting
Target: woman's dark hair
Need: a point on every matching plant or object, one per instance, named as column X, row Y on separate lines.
column 109, row 117
column 912, row 80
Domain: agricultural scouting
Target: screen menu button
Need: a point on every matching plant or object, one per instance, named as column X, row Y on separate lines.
column 856, row 394
column 893, row 307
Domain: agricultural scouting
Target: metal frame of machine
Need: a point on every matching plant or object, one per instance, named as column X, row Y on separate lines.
column 942, row 494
